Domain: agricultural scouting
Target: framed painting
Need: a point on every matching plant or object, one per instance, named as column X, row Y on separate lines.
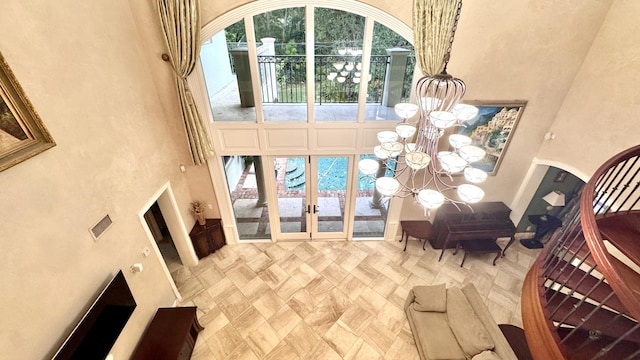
column 22, row 133
column 492, row 130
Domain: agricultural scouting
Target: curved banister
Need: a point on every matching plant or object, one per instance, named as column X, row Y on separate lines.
column 579, row 301
column 594, row 239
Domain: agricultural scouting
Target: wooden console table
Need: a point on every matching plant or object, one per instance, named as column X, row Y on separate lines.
column 207, row 238
column 171, row 335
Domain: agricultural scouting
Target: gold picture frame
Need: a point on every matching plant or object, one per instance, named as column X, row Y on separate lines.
column 22, row 133
column 492, row 130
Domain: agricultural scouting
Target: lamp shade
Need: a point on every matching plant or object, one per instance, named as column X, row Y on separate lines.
column 442, row 119
column 457, row 140
column 406, row 110
column 554, row 198
column 451, row 162
column 405, row 130
column 380, row 153
column 387, row 186
column 465, row 112
column 430, row 199
column 472, row 153
column 474, row 175
column 392, row 148
column 368, row 166
column 417, row 160
column 470, row 193
column 387, row 136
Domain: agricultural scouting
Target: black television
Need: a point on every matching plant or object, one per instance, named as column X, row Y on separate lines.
column 101, row 325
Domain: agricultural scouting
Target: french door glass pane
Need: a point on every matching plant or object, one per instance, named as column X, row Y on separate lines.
column 292, row 196
column 332, row 189
column 282, row 63
column 225, row 63
column 248, row 196
column 391, row 68
column 371, row 208
column 338, row 60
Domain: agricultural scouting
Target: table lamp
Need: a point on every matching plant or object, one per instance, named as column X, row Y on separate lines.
column 554, row 198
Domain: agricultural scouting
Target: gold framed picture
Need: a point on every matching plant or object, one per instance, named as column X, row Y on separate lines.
column 22, row 133
column 492, row 130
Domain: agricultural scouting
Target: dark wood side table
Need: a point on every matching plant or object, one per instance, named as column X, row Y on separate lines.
column 171, row 335
column 207, row 238
column 516, row 338
column 419, row 229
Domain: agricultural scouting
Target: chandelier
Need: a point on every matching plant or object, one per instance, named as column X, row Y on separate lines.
column 411, row 153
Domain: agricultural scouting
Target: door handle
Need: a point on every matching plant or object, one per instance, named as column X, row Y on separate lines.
column 316, row 209
column 308, row 209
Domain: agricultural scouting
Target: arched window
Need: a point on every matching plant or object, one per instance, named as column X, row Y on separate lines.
column 306, row 64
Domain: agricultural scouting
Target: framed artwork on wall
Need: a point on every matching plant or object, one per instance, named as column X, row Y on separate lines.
column 492, row 130
column 22, row 133
column 560, row 177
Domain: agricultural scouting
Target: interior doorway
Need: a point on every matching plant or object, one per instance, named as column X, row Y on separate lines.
column 175, row 229
column 162, row 236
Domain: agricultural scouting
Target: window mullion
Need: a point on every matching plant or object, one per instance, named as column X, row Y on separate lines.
column 366, row 64
column 311, row 60
column 253, row 66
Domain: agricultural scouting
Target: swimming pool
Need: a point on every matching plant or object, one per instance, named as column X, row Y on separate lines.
column 332, row 174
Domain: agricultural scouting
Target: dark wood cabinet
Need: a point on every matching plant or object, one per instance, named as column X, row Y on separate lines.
column 207, row 238
column 171, row 335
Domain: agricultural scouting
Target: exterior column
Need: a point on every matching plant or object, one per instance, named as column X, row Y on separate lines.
column 262, row 194
column 394, row 79
column 376, row 201
column 243, row 75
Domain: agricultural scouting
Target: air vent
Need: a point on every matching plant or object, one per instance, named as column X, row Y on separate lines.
column 98, row 229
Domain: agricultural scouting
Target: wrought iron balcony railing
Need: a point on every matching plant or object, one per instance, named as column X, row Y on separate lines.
column 337, row 78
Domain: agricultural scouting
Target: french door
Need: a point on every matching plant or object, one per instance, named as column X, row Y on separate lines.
column 310, row 199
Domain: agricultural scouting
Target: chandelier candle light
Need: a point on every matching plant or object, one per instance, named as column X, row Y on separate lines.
column 410, row 153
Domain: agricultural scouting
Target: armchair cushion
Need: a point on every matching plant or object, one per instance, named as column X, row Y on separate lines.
column 430, row 298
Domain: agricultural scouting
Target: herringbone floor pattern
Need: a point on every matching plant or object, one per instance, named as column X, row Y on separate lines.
column 331, row 300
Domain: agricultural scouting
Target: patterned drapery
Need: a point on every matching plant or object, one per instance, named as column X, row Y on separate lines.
column 180, row 21
column 433, row 25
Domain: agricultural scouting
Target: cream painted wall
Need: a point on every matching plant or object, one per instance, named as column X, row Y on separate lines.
column 601, row 114
column 83, row 66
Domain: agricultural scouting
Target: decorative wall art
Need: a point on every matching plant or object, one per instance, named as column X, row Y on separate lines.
column 492, row 130
column 22, row 133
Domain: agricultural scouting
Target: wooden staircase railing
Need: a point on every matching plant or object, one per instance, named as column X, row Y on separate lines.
column 581, row 298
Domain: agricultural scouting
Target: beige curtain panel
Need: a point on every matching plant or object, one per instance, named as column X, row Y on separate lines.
column 433, row 23
column 180, row 21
